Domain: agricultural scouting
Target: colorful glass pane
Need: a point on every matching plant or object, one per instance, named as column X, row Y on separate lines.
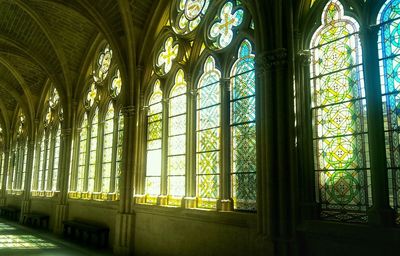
column 107, row 148
column 91, row 96
column 167, row 55
column 243, row 129
column 389, row 52
column 190, row 14
column 154, row 138
column 116, row 84
column 208, row 129
column 103, row 63
column 93, row 151
column 339, row 118
column 221, row 32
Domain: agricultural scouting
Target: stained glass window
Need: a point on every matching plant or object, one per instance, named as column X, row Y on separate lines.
column 167, row 55
column 116, row 84
column 103, row 64
column 177, row 137
column 42, row 163
column 243, row 129
column 389, row 63
column 108, row 148
column 154, row 138
column 118, row 167
column 190, row 14
column 208, row 135
column 93, row 151
column 339, row 118
column 83, row 137
column 54, row 186
column 91, row 96
column 222, row 30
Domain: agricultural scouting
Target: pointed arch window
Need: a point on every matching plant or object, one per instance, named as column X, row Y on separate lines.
column 389, row 63
column 339, row 117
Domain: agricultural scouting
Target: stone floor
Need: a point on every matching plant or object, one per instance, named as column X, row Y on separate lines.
column 21, row 240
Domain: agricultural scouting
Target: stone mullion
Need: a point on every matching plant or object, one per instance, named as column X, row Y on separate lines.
column 26, row 202
column 309, row 209
column 140, row 180
column 380, row 213
column 226, row 202
column 189, row 201
column 87, row 156
column 5, row 176
column 114, row 163
column 164, row 152
column 36, row 165
column 52, row 141
column 98, row 177
column 43, row 182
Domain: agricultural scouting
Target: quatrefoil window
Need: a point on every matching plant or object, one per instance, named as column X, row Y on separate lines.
column 221, row 32
column 168, row 55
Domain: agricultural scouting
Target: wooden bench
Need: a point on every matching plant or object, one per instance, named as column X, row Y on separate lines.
column 40, row 220
column 10, row 212
column 86, row 232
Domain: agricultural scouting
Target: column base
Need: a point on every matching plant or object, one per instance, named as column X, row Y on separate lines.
column 225, row 205
column 25, row 208
column 381, row 217
column 189, row 202
column 124, row 234
column 60, row 216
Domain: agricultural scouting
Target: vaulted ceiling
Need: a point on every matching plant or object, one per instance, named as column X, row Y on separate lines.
column 49, row 40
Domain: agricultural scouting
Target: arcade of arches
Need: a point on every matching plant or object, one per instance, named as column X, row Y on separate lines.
column 206, row 127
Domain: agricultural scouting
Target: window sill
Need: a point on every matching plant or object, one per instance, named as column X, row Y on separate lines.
column 229, row 217
column 93, row 196
column 44, row 194
column 15, row 192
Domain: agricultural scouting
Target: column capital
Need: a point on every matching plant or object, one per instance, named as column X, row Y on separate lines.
column 66, row 132
column 304, row 57
column 129, row 111
column 269, row 60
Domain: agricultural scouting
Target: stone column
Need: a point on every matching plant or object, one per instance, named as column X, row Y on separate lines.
column 64, row 167
column 26, row 201
column 380, row 214
column 125, row 218
column 5, row 174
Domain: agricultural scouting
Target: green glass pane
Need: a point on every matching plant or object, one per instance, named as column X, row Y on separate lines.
column 208, row 186
column 208, row 140
column 176, row 165
column 176, row 185
column 177, row 125
column 208, row 118
column 244, row 191
column 153, row 185
column 107, row 155
column 90, row 185
column 105, row 185
column 209, row 95
column 244, row 148
column 154, row 130
column 243, row 85
column 177, row 105
column 155, row 109
column 106, row 170
column 177, row 145
column 92, row 157
column 153, row 163
column 153, row 144
column 243, row 110
column 208, row 163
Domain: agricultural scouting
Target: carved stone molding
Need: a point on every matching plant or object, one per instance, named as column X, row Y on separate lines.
column 304, row 57
column 66, row 132
column 270, row 60
column 129, row 111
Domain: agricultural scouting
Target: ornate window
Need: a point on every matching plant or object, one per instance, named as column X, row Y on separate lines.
column 338, row 107
column 1, row 157
column 389, row 63
column 99, row 154
column 201, row 139
column 17, row 170
column 47, row 153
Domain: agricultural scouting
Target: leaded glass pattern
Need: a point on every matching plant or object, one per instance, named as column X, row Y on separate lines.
column 339, row 118
column 389, row 63
column 103, row 64
column 107, row 149
column 93, row 152
column 154, row 139
column 56, row 161
column 190, row 14
column 177, row 137
column 243, row 129
column 120, row 138
column 116, row 84
column 167, row 55
column 208, row 131
column 222, row 30
column 83, row 138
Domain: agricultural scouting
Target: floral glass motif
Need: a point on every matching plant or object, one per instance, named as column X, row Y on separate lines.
column 389, row 60
column 116, row 84
column 154, row 138
column 339, row 117
column 21, row 124
column 208, row 134
column 103, row 63
column 177, row 137
column 190, row 13
column 243, row 129
column 167, row 55
column 91, row 96
column 221, row 31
